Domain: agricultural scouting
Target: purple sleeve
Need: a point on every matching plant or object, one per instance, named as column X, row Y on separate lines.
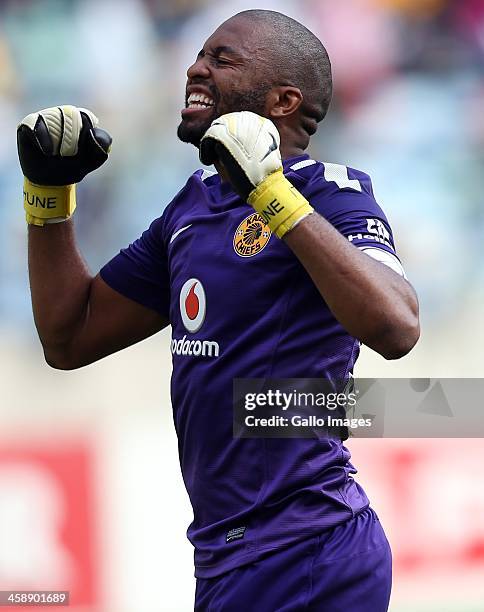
column 365, row 225
column 140, row 271
column 348, row 203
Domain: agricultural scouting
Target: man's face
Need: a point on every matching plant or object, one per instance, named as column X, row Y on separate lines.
column 227, row 76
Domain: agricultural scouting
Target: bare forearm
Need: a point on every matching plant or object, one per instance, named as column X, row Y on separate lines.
column 80, row 318
column 59, row 282
column 372, row 302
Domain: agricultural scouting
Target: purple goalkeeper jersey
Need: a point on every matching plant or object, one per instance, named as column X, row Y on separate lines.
column 242, row 306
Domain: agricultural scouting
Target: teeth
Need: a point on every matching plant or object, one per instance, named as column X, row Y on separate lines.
column 198, row 100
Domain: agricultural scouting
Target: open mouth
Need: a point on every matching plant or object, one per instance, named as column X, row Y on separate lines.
column 197, row 102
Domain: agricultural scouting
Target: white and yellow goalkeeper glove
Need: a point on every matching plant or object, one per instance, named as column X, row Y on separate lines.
column 248, row 147
column 57, row 147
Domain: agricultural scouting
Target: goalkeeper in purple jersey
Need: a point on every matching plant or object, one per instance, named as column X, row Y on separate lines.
column 275, row 266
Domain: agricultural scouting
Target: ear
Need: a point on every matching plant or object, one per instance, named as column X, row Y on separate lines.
column 283, row 101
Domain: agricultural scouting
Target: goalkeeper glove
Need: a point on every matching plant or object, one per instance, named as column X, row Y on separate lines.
column 248, row 147
column 57, row 147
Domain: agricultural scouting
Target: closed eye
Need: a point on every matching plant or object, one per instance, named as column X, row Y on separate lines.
column 216, row 59
column 219, row 57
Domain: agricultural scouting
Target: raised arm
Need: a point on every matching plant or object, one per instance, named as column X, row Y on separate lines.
column 371, row 301
column 79, row 318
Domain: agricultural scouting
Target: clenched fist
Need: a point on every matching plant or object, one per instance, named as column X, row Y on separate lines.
column 57, row 147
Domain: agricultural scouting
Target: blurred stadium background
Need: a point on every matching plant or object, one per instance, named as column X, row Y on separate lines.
column 91, row 498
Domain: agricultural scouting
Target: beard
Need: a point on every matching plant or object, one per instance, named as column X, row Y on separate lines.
column 192, row 130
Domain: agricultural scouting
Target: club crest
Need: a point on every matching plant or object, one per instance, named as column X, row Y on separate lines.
column 251, row 236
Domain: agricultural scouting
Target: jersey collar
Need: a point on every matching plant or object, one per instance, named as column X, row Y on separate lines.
column 223, row 197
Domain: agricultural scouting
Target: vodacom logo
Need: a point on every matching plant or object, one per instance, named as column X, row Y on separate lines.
column 193, row 305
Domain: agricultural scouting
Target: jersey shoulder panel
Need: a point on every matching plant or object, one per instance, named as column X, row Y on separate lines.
column 335, row 190
column 330, row 184
column 344, row 196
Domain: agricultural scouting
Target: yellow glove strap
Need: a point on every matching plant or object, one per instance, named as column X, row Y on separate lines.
column 48, row 204
column 279, row 203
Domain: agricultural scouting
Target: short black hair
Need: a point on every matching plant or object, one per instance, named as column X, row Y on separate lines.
column 299, row 59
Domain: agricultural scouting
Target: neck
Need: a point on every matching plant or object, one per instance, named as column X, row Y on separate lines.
column 290, row 150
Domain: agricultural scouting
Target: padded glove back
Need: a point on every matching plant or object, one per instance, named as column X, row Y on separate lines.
column 60, row 145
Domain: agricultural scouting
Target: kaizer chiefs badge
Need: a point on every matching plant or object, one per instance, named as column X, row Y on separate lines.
column 251, row 236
